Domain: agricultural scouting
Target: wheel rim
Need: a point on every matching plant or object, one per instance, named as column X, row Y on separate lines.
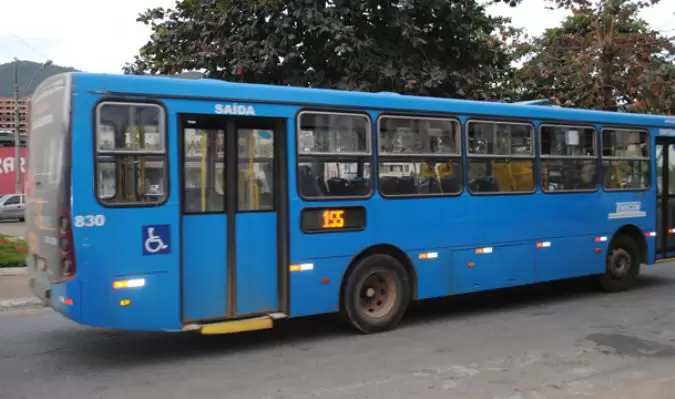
column 378, row 294
column 619, row 264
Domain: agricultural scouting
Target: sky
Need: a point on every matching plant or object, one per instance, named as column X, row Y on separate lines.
column 97, row 36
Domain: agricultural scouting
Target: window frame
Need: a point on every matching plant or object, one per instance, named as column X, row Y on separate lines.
column 326, row 157
column 648, row 159
column 459, row 155
column 532, row 157
column 163, row 127
column 541, row 156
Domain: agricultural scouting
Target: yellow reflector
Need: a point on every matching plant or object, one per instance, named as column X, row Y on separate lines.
column 428, row 255
column 302, row 267
column 125, row 302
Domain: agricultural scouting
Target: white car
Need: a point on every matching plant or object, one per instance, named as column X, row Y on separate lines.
column 12, row 206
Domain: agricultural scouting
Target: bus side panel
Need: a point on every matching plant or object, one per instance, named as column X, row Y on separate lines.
column 433, row 275
column 204, row 267
column 615, row 215
column 309, row 294
column 534, row 237
column 569, row 257
column 257, row 249
column 492, row 267
column 113, row 248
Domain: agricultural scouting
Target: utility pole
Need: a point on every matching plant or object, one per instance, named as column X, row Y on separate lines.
column 17, row 124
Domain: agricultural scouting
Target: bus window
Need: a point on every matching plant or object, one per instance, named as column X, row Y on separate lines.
column 501, row 157
column 625, row 159
column 203, row 170
column 568, row 158
column 256, row 170
column 430, row 150
column 334, row 155
column 130, row 153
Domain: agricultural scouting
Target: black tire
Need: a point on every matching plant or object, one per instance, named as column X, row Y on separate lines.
column 622, row 265
column 371, row 305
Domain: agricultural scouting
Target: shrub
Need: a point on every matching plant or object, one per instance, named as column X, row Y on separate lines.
column 12, row 251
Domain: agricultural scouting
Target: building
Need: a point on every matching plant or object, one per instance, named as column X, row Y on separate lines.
column 7, row 115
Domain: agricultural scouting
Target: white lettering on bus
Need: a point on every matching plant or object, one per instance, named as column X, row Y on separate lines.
column 234, row 109
column 7, row 165
column 626, row 210
column 89, row 220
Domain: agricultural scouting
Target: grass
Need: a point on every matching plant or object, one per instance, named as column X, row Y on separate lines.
column 12, row 251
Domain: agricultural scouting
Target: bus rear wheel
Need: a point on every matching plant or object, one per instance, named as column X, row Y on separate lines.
column 622, row 265
column 376, row 294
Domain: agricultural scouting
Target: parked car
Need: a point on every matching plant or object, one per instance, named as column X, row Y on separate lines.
column 12, row 206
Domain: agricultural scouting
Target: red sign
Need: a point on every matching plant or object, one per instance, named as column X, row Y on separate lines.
column 7, row 170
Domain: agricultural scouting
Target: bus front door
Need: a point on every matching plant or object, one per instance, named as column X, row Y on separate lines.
column 665, row 198
column 233, row 205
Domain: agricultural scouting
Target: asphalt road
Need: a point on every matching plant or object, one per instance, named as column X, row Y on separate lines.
column 12, row 227
column 552, row 341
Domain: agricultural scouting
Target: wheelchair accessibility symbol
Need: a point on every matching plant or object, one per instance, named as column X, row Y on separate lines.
column 156, row 239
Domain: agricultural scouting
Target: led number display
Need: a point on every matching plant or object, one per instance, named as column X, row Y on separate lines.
column 333, row 219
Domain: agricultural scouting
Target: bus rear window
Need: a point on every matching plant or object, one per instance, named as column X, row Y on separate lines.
column 47, row 141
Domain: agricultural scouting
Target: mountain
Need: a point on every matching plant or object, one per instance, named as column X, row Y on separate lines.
column 27, row 69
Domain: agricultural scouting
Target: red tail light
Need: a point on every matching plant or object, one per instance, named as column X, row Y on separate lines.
column 68, row 267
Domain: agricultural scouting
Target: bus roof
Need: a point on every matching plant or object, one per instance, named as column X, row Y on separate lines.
column 223, row 91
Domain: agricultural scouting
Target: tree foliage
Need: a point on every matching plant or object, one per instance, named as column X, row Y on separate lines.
column 445, row 48
column 603, row 56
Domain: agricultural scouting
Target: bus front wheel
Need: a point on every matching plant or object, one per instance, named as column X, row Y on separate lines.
column 622, row 265
column 376, row 294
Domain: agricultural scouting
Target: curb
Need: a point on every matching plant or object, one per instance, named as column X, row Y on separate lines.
column 20, row 303
column 13, row 271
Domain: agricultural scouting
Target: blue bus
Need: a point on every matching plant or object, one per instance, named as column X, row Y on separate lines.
column 165, row 204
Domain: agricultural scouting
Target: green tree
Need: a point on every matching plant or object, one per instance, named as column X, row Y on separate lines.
column 445, row 48
column 603, row 56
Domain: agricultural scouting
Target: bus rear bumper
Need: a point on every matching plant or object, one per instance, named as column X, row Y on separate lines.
column 63, row 297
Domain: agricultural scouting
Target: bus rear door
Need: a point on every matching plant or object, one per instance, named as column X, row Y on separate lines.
column 233, row 217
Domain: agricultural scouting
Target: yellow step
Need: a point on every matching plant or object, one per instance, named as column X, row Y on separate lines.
column 237, row 326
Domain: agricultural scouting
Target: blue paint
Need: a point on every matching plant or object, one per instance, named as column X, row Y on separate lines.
column 496, row 267
column 156, row 239
column 309, row 296
column 204, row 267
column 148, row 308
column 433, row 275
column 571, row 257
column 256, row 262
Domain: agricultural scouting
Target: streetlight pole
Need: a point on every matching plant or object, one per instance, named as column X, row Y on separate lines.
column 17, row 134
column 17, row 120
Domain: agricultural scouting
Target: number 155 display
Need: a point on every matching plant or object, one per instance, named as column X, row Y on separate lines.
column 350, row 218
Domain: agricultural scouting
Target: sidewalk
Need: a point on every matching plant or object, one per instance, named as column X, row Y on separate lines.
column 14, row 289
column 14, row 284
